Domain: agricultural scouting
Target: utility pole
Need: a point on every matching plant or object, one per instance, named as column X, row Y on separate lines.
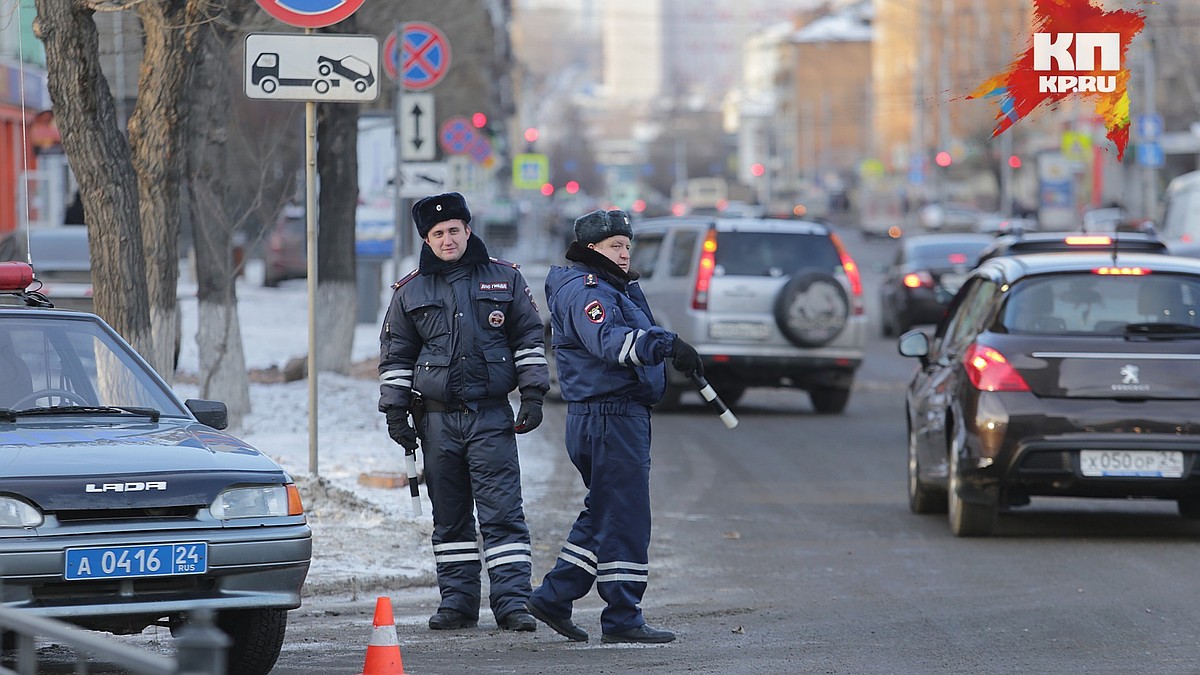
column 1150, row 172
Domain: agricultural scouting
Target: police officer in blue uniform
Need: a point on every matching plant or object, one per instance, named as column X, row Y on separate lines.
column 460, row 333
column 610, row 357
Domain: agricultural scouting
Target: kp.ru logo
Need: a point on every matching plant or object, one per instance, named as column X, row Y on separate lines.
column 1056, row 47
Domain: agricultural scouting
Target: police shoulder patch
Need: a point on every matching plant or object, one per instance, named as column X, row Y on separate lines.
column 594, row 311
column 590, row 280
column 498, row 261
column 405, row 279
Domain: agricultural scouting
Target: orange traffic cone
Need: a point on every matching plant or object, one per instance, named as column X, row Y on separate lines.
column 383, row 652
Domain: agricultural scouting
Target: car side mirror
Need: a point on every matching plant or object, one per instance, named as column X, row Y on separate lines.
column 914, row 343
column 212, row 413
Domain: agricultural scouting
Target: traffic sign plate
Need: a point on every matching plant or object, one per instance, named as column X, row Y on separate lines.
column 316, row 67
column 456, row 135
column 424, row 56
column 417, row 141
column 419, row 179
column 310, row 13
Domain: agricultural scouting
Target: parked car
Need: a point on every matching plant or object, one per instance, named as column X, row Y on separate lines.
column 949, row 217
column 998, row 223
column 924, row 275
column 1179, row 225
column 123, row 507
column 766, row 303
column 1073, row 242
column 61, row 262
column 1058, row 374
column 286, row 254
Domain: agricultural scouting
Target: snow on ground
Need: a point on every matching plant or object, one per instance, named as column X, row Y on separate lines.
column 364, row 538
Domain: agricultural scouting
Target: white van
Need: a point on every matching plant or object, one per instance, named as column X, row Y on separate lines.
column 1179, row 225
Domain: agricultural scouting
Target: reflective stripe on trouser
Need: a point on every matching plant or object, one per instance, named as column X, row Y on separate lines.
column 610, row 539
column 475, row 454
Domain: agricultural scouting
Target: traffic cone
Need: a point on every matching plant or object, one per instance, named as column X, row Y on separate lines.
column 383, row 652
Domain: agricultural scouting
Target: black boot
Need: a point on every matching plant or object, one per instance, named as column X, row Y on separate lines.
column 520, row 621
column 449, row 619
column 643, row 633
column 564, row 627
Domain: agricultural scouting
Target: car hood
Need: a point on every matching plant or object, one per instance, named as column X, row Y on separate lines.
column 174, row 462
column 1107, row 367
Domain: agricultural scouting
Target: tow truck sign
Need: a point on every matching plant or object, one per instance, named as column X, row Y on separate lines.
column 316, row 67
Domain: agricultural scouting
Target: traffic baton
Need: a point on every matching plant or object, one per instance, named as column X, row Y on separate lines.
column 710, row 395
column 410, row 458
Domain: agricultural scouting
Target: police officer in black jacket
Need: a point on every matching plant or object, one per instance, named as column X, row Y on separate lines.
column 460, row 333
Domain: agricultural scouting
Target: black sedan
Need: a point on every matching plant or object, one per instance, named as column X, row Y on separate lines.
column 1058, row 374
column 924, row 275
column 123, row 507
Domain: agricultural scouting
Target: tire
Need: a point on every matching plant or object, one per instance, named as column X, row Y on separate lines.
column 920, row 498
column 1189, row 508
column 828, row 400
column 257, row 638
column 967, row 519
column 811, row 309
column 322, row 86
column 324, row 69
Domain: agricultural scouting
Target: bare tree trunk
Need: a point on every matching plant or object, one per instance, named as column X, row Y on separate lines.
column 337, row 162
column 100, row 158
column 155, row 138
column 219, row 338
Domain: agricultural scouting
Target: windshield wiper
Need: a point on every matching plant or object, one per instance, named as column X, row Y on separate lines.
column 1161, row 329
column 152, row 413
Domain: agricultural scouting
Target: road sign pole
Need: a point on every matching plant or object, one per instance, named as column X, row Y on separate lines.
column 400, row 249
column 310, row 189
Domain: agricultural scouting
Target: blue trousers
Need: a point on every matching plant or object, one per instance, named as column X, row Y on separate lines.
column 609, row 443
column 471, row 465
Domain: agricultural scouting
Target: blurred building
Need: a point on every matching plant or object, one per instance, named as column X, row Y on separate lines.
column 29, row 140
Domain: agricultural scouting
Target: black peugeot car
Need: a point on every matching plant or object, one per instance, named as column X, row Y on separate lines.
column 123, row 507
column 1058, row 374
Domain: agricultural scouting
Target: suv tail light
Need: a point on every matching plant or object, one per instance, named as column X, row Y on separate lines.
column 988, row 370
column 708, row 260
column 851, row 269
column 918, row 279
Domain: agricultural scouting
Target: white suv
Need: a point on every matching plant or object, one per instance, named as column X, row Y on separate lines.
column 766, row 303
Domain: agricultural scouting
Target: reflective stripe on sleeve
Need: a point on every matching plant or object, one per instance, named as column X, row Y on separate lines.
column 530, row 357
column 397, row 378
column 628, row 355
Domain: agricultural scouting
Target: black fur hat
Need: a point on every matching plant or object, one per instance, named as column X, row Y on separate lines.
column 600, row 225
column 429, row 211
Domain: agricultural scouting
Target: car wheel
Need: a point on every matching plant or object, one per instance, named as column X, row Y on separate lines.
column 811, row 309
column 1189, row 508
column 829, row 399
column 920, row 498
column 257, row 636
column 967, row 519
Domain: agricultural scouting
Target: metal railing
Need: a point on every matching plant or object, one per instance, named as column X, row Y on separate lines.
column 200, row 647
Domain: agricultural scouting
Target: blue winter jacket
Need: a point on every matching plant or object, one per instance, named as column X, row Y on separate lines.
column 606, row 343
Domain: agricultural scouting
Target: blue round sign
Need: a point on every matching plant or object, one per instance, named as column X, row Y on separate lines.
column 310, row 13
column 424, row 56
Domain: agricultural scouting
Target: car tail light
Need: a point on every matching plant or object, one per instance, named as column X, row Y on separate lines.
column 1122, row 271
column 957, row 259
column 708, row 260
column 851, row 269
column 295, row 505
column 918, row 279
column 1095, row 240
column 988, row 370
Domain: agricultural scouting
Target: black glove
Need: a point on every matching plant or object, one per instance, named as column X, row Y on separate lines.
column 400, row 430
column 685, row 359
column 529, row 417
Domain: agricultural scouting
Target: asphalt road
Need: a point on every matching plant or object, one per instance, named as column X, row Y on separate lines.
column 786, row 546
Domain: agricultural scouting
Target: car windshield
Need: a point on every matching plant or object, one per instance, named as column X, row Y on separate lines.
column 1084, row 302
column 49, row 362
column 773, row 253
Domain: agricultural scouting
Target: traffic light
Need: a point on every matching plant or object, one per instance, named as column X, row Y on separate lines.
column 757, row 169
column 1014, row 161
column 572, row 187
column 943, row 159
column 531, row 134
column 479, row 120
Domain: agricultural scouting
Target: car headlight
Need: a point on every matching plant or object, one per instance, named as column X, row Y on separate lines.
column 260, row 501
column 16, row 513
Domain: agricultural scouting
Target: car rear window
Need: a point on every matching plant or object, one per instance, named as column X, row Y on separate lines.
column 773, row 254
column 937, row 255
column 1094, row 303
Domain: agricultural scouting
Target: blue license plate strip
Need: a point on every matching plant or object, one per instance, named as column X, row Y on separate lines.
column 119, row 562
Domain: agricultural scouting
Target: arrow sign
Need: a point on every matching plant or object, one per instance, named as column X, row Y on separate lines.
column 417, row 135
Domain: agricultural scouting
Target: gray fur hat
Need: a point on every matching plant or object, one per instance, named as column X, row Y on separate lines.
column 600, row 225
